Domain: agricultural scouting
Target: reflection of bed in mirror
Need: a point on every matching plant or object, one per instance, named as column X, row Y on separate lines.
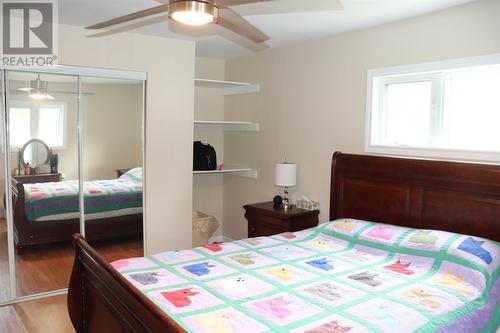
column 49, row 212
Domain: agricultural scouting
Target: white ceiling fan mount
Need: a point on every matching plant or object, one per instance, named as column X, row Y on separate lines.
column 193, row 12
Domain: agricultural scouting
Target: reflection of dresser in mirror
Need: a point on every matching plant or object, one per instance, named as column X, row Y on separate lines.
column 38, row 155
column 38, row 178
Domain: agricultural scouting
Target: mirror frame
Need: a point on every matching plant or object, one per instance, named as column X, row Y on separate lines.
column 78, row 71
column 35, row 141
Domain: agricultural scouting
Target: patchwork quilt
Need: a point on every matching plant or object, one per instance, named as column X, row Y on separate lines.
column 47, row 199
column 343, row 276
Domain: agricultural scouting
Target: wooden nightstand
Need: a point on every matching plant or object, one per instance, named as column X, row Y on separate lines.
column 265, row 220
column 120, row 172
column 38, row 178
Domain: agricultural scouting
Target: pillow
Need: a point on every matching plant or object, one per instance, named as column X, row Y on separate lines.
column 482, row 251
column 133, row 175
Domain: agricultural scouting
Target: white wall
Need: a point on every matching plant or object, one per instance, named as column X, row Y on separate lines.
column 112, row 128
column 169, row 123
column 209, row 105
column 313, row 97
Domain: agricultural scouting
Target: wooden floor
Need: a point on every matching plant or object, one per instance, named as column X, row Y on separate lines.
column 46, row 268
column 40, row 316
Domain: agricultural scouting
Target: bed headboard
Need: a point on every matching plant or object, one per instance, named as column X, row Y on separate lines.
column 457, row 197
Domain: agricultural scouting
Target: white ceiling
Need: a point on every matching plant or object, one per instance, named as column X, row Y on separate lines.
column 282, row 28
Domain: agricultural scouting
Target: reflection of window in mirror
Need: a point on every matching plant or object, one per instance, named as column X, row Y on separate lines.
column 46, row 122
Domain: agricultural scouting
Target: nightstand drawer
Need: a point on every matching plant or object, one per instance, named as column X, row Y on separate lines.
column 256, row 229
column 266, row 220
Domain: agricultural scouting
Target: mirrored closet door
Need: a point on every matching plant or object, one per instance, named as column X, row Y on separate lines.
column 112, row 114
column 43, row 137
column 72, row 161
column 6, row 279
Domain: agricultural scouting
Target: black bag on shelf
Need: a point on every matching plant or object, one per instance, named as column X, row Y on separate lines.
column 204, row 157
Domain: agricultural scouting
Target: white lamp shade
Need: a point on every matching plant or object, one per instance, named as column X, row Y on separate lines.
column 285, row 174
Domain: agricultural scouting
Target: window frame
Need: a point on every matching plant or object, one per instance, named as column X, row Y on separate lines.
column 34, row 109
column 377, row 79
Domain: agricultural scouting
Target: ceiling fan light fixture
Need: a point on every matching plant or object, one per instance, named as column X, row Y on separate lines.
column 193, row 12
column 38, row 90
column 40, row 96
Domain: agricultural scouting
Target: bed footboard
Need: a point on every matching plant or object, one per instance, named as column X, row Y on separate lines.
column 100, row 299
column 21, row 224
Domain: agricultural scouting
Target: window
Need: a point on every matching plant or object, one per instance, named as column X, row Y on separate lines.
column 46, row 122
column 448, row 109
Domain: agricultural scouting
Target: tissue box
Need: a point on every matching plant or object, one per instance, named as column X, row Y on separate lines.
column 308, row 204
column 42, row 169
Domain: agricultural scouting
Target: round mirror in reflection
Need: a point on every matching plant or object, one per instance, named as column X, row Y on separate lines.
column 35, row 152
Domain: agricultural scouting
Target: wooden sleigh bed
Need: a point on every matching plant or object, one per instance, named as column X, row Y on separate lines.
column 28, row 233
column 457, row 197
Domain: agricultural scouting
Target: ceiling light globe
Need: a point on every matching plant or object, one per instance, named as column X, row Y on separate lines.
column 192, row 18
column 193, row 12
column 37, row 96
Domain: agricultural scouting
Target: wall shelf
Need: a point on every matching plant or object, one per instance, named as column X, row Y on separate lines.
column 243, row 172
column 231, row 125
column 230, row 87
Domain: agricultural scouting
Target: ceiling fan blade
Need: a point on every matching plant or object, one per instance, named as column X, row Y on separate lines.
column 234, row 22
column 288, row 6
column 241, row 41
column 129, row 27
column 130, row 17
column 229, row 3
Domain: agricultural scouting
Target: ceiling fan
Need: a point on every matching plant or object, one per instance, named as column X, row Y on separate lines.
column 194, row 13
column 37, row 89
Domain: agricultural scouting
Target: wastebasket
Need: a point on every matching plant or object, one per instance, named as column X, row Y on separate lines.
column 204, row 227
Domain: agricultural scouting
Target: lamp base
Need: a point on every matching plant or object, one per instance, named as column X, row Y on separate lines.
column 286, row 202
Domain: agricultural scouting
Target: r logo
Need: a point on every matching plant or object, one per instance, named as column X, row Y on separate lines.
column 28, row 27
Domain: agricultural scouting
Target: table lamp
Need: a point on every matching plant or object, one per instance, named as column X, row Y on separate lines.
column 285, row 174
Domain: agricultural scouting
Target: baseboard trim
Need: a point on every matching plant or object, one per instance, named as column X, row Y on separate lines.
column 220, row 239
